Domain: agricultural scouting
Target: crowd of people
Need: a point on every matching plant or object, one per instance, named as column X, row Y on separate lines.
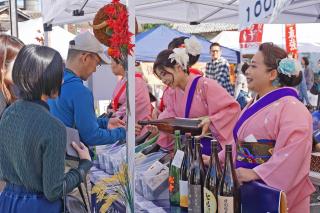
column 40, row 96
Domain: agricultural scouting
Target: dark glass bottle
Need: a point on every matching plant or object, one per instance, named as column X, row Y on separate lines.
column 228, row 195
column 150, row 149
column 211, row 182
column 184, row 172
column 165, row 160
column 196, row 181
column 169, row 125
column 174, row 172
column 143, row 138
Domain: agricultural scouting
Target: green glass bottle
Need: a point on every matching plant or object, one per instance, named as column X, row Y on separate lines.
column 174, row 173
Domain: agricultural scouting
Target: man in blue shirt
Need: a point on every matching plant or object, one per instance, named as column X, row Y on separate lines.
column 75, row 105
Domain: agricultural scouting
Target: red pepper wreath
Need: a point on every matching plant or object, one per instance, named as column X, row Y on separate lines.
column 110, row 27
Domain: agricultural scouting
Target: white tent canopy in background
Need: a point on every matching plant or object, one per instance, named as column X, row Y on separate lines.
column 229, row 38
column 57, row 12
column 220, row 11
column 307, row 37
column 33, row 28
column 177, row 11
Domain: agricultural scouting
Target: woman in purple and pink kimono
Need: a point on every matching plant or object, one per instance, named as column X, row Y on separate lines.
column 194, row 96
column 274, row 132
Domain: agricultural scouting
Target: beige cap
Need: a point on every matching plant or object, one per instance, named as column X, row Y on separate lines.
column 87, row 42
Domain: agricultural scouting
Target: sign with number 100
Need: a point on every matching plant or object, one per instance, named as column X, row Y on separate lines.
column 254, row 11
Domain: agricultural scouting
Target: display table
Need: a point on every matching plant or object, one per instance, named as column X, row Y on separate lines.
column 315, row 178
column 96, row 175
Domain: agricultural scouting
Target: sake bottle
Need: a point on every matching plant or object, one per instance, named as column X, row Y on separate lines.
column 228, row 195
column 150, row 149
column 184, row 172
column 143, row 138
column 169, row 125
column 196, row 180
column 174, row 172
column 211, row 183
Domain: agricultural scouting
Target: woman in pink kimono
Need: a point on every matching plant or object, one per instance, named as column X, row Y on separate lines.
column 274, row 131
column 194, row 96
column 142, row 99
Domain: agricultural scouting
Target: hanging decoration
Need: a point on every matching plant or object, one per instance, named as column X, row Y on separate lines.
column 110, row 26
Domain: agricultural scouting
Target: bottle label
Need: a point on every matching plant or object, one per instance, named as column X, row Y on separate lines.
column 173, row 184
column 225, row 204
column 195, row 197
column 210, row 202
column 183, row 186
column 178, row 158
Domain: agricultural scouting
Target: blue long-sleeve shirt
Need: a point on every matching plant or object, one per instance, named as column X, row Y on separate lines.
column 75, row 108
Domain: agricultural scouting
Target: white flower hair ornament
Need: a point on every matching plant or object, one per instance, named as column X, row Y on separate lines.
column 193, row 46
column 181, row 56
column 289, row 67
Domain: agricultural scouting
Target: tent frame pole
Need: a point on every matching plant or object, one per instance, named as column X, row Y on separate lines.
column 131, row 107
column 13, row 17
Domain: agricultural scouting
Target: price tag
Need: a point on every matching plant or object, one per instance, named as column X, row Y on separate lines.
column 178, row 158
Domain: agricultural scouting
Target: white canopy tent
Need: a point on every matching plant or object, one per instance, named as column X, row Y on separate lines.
column 34, row 28
column 220, row 11
column 177, row 11
column 307, row 37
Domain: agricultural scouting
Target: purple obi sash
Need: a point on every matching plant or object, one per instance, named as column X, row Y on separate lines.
column 205, row 142
column 250, row 155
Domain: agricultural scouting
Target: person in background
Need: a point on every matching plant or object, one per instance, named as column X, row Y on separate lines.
column 303, row 91
column 308, row 72
column 218, row 68
column 119, row 97
column 242, row 92
column 33, row 142
column 278, row 120
column 75, row 106
column 9, row 48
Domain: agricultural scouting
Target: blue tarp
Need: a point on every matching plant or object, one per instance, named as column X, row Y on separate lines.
column 150, row 43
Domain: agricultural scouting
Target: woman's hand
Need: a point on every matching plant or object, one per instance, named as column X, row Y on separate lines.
column 205, row 123
column 153, row 129
column 246, row 175
column 138, row 129
column 115, row 122
column 82, row 151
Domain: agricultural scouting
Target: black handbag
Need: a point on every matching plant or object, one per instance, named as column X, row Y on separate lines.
column 71, row 204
